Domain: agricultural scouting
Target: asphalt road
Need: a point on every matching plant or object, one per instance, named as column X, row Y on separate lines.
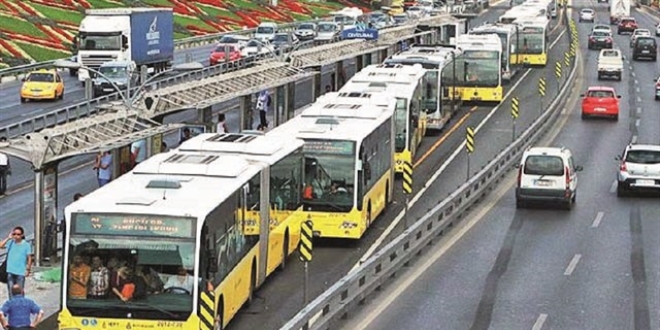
column 595, row 267
column 281, row 297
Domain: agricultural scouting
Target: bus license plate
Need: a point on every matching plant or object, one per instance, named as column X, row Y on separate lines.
column 475, row 98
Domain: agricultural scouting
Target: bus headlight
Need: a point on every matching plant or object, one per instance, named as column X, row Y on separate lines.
column 348, row 225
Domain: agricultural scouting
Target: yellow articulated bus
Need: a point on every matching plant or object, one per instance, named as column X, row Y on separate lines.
column 479, row 68
column 439, row 105
column 533, row 40
column 508, row 34
column 410, row 86
column 174, row 239
column 349, row 160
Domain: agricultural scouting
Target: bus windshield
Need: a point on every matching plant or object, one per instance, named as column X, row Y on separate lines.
column 532, row 41
column 131, row 266
column 504, row 40
column 330, row 174
column 401, row 120
column 478, row 69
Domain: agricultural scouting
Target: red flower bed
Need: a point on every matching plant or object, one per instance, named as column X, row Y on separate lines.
column 26, row 8
column 10, row 49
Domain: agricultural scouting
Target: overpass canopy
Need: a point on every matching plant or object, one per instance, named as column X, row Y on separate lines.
column 114, row 128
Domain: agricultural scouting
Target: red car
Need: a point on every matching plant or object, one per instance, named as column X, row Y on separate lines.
column 626, row 24
column 218, row 54
column 600, row 101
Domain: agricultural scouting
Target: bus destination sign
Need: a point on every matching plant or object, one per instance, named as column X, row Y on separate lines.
column 133, row 225
column 531, row 30
column 331, row 147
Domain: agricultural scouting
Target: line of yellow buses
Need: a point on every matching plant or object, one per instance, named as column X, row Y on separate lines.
column 189, row 235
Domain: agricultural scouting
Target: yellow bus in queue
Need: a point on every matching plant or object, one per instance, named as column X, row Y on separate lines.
column 439, row 104
column 349, row 160
column 533, row 40
column 176, row 214
column 479, row 68
column 410, row 85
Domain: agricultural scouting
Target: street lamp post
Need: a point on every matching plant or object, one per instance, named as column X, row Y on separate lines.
column 126, row 98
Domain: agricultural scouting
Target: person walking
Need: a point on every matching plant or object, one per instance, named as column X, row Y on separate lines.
column 19, row 310
column 5, row 170
column 221, row 127
column 19, row 258
column 263, row 105
column 103, row 166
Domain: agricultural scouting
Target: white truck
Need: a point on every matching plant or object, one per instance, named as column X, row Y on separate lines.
column 610, row 64
column 619, row 9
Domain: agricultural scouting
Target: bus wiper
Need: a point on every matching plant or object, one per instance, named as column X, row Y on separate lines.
column 152, row 307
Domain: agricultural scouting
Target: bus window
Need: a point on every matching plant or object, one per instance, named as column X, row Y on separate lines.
column 430, row 99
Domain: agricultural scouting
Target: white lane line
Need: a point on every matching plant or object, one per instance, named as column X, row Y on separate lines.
column 599, row 218
column 637, row 82
column 639, row 111
column 613, row 187
column 637, row 89
column 639, row 99
column 571, row 265
column 637, row 122
column 442, row 168
column 633, row 140
column 540, row 321
column 632, row 73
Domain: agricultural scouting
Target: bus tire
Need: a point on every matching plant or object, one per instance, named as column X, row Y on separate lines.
column 253, row 281
column 387, row 195
column 285, row 250
column 369, row 214
column 219, row 315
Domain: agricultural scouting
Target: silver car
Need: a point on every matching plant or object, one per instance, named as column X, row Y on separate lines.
column 639, row 169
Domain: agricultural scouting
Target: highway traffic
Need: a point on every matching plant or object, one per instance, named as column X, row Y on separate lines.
column 595, row 267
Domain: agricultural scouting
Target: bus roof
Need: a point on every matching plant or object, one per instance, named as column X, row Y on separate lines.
column 479, row 42
column 439, row 55
column 494, row 28
column 340, row 116
column 251, row 147
column 171, row 184
column 398, row 80
column 532, row 21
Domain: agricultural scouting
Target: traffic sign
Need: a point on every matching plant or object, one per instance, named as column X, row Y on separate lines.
column 515, row 109
column 407, row 178
column 305, row 247
column 469, row 140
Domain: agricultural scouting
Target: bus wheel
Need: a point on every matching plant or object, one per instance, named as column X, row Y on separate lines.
column 253, row 280
column 219, row 318
column 387, row 196
column 369, row 215
column 285, row 250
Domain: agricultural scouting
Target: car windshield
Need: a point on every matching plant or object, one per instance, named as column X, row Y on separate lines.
column 600, row 94
column 228, row 40
column 610, row 53
column 281, row 38
column 254, row 43
column 41, row 77
column 544, row 165
column 222, row 48
column 646, row 41
column 306, row 27
column 587, row 11
column 265, row 30
column 643, row 157
column 601, row 34
column 602, row 28
column 627, row 21
column 642, row 32
column 113, row 71
column 327, row 27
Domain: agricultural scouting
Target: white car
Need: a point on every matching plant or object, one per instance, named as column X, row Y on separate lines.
column 601, row 27
column 639, row 168
column 257, row 47
column 327, row 31
column 637, row 33
column 657, row 30
column 587, row 15
column 547, row 175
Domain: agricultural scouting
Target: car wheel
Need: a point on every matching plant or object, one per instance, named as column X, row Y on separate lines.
column 61, row 97
column 618, row 78
column 584, row 116
column 600, row 77
column 657, row 98
column 23, row 100
column 615, row 117
column 567, row 204
column 621, row 190
column 520, row 204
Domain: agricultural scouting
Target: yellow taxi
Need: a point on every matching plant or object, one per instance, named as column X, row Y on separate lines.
column 42, row 84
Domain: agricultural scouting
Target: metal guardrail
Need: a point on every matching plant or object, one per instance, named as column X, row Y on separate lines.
column 95, row 106
column 354, row 287
column 180, row 44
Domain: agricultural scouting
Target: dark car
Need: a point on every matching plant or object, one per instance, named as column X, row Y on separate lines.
column 626, row 24
column 284, row 40
column 645, row 47
column 600, row 39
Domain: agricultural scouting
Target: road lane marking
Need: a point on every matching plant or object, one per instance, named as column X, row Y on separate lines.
column 613, row 187
column 632, row 73
column 639, row 99
column 442, row 168
column 637, row 82
column 540, row 321
column 444, row 137
column 637, row 89
column 571, row 266
column 637, row 122
column 633, row 140
column 452, row 238
column 599, row 218
column 639, row 111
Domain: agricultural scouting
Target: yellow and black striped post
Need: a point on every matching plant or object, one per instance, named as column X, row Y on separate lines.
column 573, row 49
column 206, row 310
column 305, row 249
column 567, row 60
column 558, row 73
column 515, row 112
column 541, row 92
column 407, row 178
column 469, row 147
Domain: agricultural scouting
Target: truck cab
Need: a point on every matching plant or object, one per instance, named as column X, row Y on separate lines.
column 122, row 74
column 610, row 64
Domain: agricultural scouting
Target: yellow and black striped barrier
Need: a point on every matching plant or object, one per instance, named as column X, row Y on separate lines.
column 515, row 109
column 469, row 140
column 206, row 310
column 542, row 87
column 407, row 178
column 567, row 60
column 558, row 70
column 305, row 247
